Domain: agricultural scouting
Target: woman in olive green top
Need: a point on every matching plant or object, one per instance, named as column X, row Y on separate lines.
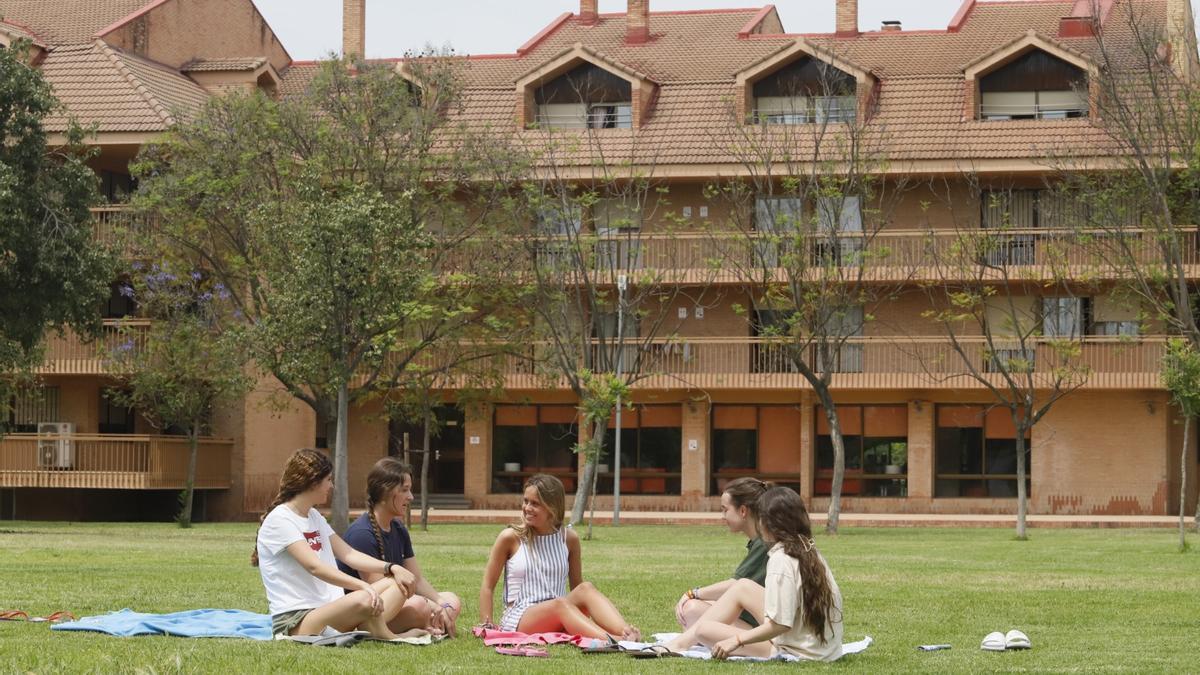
column 737, row 509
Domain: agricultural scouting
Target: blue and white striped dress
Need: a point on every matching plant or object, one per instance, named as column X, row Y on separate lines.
column 536, row 573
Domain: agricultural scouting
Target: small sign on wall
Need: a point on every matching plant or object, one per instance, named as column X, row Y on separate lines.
column 474, row 440
column 693, row 444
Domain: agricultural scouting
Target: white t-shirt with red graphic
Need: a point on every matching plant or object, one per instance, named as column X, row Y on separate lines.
column 290, row 586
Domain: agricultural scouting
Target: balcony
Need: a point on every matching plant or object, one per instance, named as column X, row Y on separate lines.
column 120, row 228
column 111, row 461
column 888, row 255
column 70, row 354
column 861, row 363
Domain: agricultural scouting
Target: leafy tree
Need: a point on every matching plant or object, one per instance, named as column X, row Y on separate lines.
column 1181, row 376
column 335, row 218
column 51, row 274
column 188, row 362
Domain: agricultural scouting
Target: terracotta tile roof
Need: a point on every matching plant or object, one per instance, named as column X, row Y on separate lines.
column 64, row 22
column 224, row 64
column 694, row 56
column 100, row 85
column 19, row 31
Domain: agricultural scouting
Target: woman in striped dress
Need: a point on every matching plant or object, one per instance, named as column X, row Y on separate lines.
column 539, row 557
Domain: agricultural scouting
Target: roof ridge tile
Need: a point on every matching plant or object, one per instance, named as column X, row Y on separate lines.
column 115, row 56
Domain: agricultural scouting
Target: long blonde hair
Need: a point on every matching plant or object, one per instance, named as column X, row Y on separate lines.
column 552, row 493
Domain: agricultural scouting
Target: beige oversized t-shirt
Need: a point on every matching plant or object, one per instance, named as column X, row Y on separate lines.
column 784, row 604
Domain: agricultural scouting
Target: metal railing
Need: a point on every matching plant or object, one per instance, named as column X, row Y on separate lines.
column 120, row 228
column 1000, row 112
column 111, row 461
column 71, row 354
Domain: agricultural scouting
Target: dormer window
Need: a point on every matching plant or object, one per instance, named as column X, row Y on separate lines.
column 806, row 90
column 587, row 97
column 1034, row 86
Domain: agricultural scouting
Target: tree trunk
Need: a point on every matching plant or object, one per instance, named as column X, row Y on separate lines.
column 588, row 475
column 839, row 465
column 340, row 509
column 189, row 488
column 425, row 478
column 1022, row 505
column 1183, row 459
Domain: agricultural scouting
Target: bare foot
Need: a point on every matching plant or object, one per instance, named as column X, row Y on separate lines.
column 631, row 633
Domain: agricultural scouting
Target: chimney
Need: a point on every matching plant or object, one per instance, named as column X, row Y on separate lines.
column 637, row 22
column 354, row 28
column 892, row 25
column 589, row 15
column 847, row 18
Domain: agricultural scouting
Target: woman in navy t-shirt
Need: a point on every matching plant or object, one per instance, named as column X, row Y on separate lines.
column 379, row 532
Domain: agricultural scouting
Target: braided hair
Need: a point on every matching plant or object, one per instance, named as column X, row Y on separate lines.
column 782, row 514
column 387, row 474
column 304, row 469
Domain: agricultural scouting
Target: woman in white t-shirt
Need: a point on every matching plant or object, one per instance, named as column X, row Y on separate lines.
column 297, row 554
column 800, row 602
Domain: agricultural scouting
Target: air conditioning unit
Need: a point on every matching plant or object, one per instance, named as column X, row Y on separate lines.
column 56, row 449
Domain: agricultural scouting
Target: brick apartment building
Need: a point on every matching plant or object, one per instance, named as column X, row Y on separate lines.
column 963, row 96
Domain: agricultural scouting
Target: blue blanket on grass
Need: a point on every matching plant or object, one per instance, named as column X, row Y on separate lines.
column 192, row 623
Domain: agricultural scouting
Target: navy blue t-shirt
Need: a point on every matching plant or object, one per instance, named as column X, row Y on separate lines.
column 397, row 546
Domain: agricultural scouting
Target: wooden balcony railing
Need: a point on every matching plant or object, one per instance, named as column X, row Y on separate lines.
column 70, row 354
column 888, row 254
column 862, row 363
column 110, row 461
column 119, row 227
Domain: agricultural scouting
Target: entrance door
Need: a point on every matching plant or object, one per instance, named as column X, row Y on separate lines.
column 446, row 445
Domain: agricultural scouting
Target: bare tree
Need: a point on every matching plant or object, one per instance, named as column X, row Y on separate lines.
column 803, row 239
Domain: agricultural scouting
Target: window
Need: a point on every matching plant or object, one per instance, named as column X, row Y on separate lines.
column 1113, row 316
column 533, row 439
column 1034, row 86
column 115, row 418
column 805, row 91
column 771, row 355
column 1064, row 317
column 839, row 223
column 651, row 450
column 557, row 224
column 847, row 322
column 120, row 303
column 976, row 453
column 31, row 406
column 875, row 438
column 587, row 97
column 604, row 331
column 617, row 222
column 758, row 440
column 116, row 187
column 778, row 219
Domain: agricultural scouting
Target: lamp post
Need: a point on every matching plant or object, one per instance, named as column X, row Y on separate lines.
column 622, row 283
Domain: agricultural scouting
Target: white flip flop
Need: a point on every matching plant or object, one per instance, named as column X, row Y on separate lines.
column 1015, row 639
column 993, row 642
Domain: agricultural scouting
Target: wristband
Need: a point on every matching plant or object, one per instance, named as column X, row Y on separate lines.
column 387, row 569
column 694, row 593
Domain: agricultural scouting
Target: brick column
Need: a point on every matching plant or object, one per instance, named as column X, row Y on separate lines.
column 637, row 22
column 694, row 464
column 808, row 455
column 477, row 458
column 847, row 17
column 354, row 27
column 921, row 427
column 588, row 13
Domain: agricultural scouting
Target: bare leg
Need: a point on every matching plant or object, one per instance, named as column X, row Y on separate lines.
column 414, row 614
column 353, row 611
column 604, row 613
column 690, row 611
column 744, row 594
column 709, row 633
column 559, row 615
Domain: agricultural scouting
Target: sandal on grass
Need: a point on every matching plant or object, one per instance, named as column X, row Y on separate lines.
column 57, row 617
column 523, row 651
column 654, row 652
column 13, row 615
column 606, row 646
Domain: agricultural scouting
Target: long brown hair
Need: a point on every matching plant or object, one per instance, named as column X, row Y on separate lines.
column 304, row 469
column 550, row 490
column 387, row 474
column 781, row 512
column 745, row 491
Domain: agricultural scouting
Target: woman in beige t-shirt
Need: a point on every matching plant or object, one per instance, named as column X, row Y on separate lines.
column 801, row 603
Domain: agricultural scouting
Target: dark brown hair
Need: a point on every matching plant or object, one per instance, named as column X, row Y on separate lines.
column 745, row 491
column 781, row 513
column 387, row 474
column 304, row 469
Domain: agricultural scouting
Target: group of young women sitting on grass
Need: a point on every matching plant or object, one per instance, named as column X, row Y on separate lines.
column 782, row 598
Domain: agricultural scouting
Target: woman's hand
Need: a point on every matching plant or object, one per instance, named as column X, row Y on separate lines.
column 376, row 601
column 404, row 579
column 725, row 647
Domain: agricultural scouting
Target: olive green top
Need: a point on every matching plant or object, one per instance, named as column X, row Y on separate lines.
column 754, row 568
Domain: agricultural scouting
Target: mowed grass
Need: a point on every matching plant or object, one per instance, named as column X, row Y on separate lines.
column 1091, row 600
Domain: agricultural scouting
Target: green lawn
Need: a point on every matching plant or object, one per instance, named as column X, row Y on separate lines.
column 1089, row 599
